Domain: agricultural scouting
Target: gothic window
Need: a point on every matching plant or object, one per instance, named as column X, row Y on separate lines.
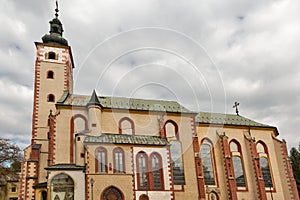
column 50, row 74
column 126, row 126
column 264, row 164
column 119, row 162
column 177, row 162
column 62, row 187
column 101, row 160
column 157, row 172
column 237, row 162
column 207, row 162
column 112, row 193
column 142, row 166
column 51, row 98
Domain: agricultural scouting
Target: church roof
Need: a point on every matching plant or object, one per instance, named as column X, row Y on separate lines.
column 226, row 119
column 124, row 103
column 127, row 139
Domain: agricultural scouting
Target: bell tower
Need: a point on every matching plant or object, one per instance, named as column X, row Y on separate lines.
column 53, row 75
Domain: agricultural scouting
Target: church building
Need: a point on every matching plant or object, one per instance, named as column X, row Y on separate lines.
column 88, row 147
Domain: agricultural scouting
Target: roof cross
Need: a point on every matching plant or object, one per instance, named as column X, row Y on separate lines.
column 236, row 104
column 56, row 9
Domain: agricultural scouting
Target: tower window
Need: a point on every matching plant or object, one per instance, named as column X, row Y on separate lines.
column 50, row 74
column 51, row 55
column 51, row 98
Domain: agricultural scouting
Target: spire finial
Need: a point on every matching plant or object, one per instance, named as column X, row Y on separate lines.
column 56, row 9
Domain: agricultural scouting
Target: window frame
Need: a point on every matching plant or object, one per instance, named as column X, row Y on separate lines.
column 97, row 151
column 131, row 123
column 206, row 141
column 160, row 169
column 121, row 152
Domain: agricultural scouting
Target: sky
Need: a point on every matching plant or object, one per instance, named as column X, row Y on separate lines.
column 205, row 54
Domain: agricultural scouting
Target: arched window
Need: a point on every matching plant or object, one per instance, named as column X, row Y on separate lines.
column 213, row 196
column 44, row 195
column 52, row 55
column 142, row 167
column 144, row 197
column 157, row 171
column 177, row 162
column 119, row 161
column 62, row 186
column 262, row 151
column 207, row 162
column 237, row 162
column 112, row 193
column 101, row 160
column 50, row 74
column 126, row 126
column 51, row 98
column 171, row 130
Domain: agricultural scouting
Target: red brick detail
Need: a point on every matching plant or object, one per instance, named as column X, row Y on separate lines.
column 36, row 100
column 289, row 172
column 170, row 172
column 260, row 184
column 228, row 166
column 133, row 175
column 52, row 139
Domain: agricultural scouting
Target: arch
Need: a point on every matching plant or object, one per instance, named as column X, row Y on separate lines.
column 265, row 164
column 156, row 177
column 112, row 193
column 142, row 171
column 51, row 98
column 101, row 160
column 119, row 160
column 62, row 187
column 208, row 161
column 144, row 197
column 126, row 126
column 238, row 163
column 171, row 130
column 50, row 74
column 73, row 130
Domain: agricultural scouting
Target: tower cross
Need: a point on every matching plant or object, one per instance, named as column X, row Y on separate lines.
column 236, row 104
column 56, row 9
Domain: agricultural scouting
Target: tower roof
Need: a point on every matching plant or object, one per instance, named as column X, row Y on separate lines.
column 94, row 100
column 55, row 35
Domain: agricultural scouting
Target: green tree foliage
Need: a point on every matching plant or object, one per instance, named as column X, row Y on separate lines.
column 10, row 157
column 295, row 161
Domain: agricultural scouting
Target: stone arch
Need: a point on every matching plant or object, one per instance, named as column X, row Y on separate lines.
column 112, row 193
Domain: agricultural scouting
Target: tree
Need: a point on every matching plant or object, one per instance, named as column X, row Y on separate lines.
column 10, row 154
column 295, row 161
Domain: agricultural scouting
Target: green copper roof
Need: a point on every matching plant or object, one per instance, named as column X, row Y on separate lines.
column 126, row 139
column 226, row 119
column 124, row 103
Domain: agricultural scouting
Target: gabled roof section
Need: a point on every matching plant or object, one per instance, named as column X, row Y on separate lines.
column 227, row 119
column 124, row 103
column 126, row 139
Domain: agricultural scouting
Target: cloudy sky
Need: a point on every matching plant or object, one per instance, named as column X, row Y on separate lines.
column 206, row 54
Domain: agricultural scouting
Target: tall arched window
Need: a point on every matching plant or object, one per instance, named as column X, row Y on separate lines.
column 119, row 161
column 101, row 160
column 207, row 162
column 262, row 151
column 142, row 175
column 156, row 171
column 62, row 186
column 237, row 162
column 126, row 126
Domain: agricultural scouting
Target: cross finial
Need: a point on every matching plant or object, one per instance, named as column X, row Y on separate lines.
column 56, row 9
column 236, row 104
